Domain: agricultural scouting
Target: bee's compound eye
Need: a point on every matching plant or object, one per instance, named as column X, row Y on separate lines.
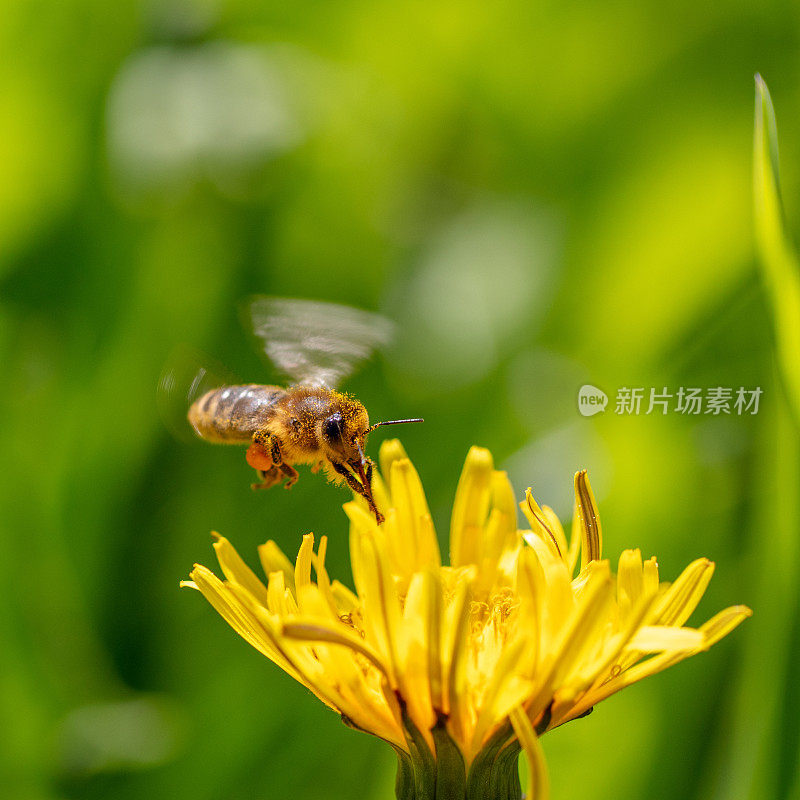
column 296, row 424
column 332, row 427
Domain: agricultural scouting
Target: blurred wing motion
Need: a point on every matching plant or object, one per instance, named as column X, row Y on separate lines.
column 187, row 375
column 314, row 343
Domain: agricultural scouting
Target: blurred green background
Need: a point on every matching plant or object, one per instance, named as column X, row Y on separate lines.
column 541, row 195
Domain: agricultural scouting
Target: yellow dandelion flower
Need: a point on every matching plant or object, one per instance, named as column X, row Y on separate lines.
column 462, row 667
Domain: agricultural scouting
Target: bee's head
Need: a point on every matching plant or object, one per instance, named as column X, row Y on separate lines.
column 333, row 428
column 344, row 429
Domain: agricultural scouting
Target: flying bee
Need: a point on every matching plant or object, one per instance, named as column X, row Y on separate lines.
column 309, row 422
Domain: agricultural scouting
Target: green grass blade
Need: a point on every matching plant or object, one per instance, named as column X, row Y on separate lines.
column 777, row 256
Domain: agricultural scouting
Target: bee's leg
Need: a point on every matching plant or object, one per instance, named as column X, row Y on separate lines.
column 269, row 477
column 269, row 446
column 351, row 479
column 260, row 459
column 291, row 473
column 358, row 488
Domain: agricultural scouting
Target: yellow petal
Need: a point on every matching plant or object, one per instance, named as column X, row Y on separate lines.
column 454, row 652
column 504, row 502
column 530, row 588
column 630, row 581
column 607, row 662
column 381, row 607
column 724, row 622
column 589, row 520
column 232, row 611
column 415, row 664
column 391, row 451
column 362, row 524
column 657, row 638
column 554, row 524
column 254, row 625
column 718, row 626
column 650, row 575
column 584, row 635
column 234, row 569
column 302, row 567
column 559, row 601
column 682, row 597
column 434, row 623
column 503, row 497
column 323, row 581
column 579, row 637
column 346, row 601
column 544, row 550
column 490, row 551
column 380, row 493
column 273, row 559
column 280, row 601
column 414, row 526
column 538, row 787
column 505, row 670
column 539, row 524
column 339, row 682
column 575, row 543
column 313, row 630
column 471, row 507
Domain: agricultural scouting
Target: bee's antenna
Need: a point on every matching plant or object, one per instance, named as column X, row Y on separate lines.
column 392, row 422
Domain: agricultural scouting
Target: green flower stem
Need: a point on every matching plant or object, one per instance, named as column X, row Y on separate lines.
column 423, row 775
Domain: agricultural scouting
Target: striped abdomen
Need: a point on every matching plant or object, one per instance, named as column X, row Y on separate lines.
column 233, row 413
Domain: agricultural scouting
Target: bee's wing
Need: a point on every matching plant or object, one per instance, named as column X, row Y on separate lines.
column 315, row 343
column 187, row 375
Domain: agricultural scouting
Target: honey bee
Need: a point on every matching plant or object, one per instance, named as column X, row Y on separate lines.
column 309, row 422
